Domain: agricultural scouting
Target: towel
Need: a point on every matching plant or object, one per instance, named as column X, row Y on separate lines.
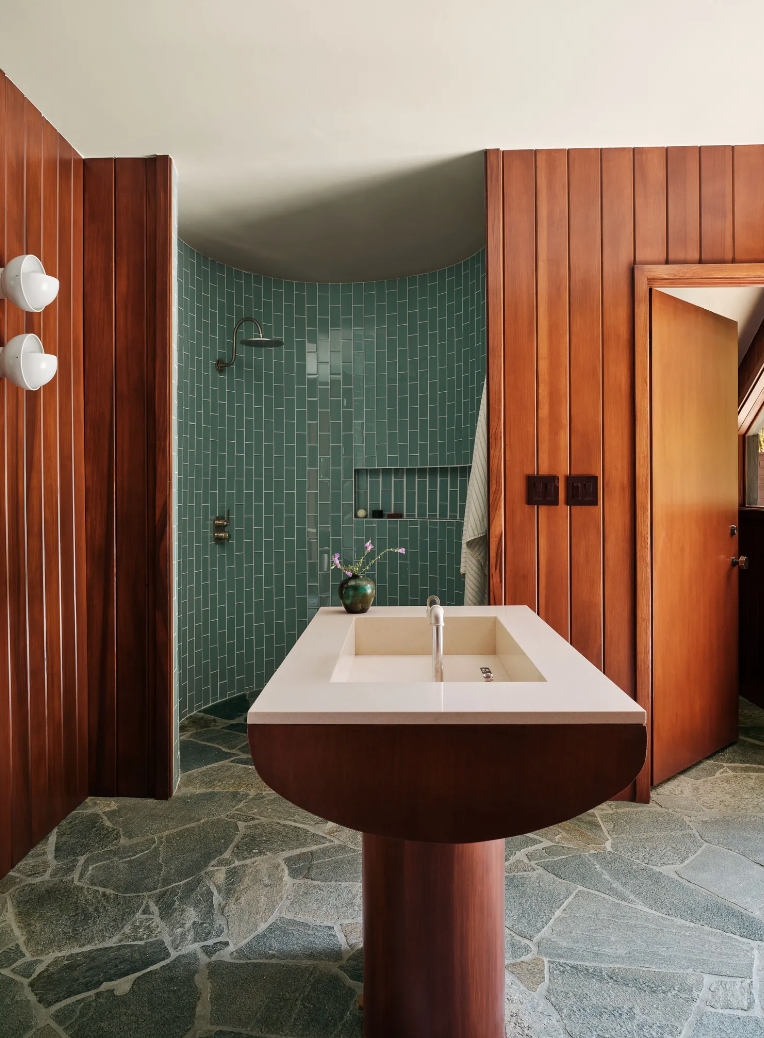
column 474, row 564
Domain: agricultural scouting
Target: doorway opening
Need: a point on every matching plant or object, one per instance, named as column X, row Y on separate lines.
column 695, row 407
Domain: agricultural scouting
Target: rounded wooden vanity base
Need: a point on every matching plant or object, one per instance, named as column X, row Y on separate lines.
column 433, row 921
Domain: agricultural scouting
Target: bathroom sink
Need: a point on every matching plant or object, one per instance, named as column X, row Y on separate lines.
column 398, row 649
column 435, row 774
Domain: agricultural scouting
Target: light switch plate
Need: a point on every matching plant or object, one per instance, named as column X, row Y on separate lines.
column 543, row 490
column 581, row 490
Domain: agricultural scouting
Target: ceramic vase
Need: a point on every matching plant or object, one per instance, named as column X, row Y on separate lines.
column 357, row 593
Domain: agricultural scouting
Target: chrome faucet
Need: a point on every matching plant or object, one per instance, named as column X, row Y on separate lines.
column 435, row 613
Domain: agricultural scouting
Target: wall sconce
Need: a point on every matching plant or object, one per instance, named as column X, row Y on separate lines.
column 25, row 363
column 24, row 281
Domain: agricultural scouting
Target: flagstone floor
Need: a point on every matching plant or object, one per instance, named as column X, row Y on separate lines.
column 229, row 912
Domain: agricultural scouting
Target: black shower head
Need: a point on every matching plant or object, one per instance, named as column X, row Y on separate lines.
column 262, row 342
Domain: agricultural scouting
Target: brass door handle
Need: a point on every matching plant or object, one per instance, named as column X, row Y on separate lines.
column 742, row 562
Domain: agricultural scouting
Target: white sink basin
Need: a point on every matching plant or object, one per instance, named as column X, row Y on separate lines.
column 398, row 649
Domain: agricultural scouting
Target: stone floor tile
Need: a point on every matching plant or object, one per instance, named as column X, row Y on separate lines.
column 627, row 880
column 527, row 1015
column 269, row 837
column 744, row 834
column 595, row 930
column 515, row 948
column 749, row 713
column 323, row 902
column 251, row 894
column 232, row 709
column 350, row 837
column 80, row 834
column 622, row 1003
column 10, row 955
column 730, row 994
column 724, row 794
column 585, row 831
column 648, row 822
column 81, row 972
column 728, row 1025
column 194, row 755
column 139, row 818
column 530, row 972
column 334, row 863
column 16, row 1010
column 270, row 805
column 729, row 875
column 223, row 738
column 661, row 849
column 745, row 751
column 198, row 723
column 57, row 916
column 353, row 966
column 27, row 967
column 353, row 933
column 224, row 776
column 291, row 1001
column 753, row 731
column 237, row 726
column 531, row 900
column 148, row 865
column 187, row 912
column 141, row 1012
column 515, row 844
column 286, row 939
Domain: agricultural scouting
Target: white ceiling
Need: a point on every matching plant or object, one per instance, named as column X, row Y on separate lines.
column 337, row 139
column 744, row 305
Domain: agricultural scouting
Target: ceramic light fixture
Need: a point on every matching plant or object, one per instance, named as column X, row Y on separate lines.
column 24, row 282
column 25, row 363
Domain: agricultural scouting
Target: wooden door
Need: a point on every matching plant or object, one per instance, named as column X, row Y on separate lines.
column 695, row 488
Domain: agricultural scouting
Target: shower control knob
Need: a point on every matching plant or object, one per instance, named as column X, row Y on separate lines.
column 220, row 524
column 742, row 562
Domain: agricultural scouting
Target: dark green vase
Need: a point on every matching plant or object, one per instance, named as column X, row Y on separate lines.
column 357, row 593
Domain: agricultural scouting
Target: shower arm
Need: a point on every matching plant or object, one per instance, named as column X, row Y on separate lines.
column 221, row 363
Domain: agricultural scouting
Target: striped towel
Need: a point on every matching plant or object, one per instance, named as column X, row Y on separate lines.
column 474, row 563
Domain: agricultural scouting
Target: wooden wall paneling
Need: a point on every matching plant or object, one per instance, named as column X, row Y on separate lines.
column 716, row 215
column 35, row 548
column 6, row 781
column 79, row 475
column 650, row 205
column 67, row 513
column 99, row 360
column 495, row 367
column 520, row 375
column 748, row 177
column 552, row 386
column 586, row 595
column 618, row 415
column 683, row 197
column 159, row 208
column 15, row 241
column 52, row 546
column 132, row 438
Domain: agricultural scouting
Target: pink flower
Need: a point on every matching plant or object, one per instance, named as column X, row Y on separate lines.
column 401, row 551
column 368, row 546
column 336, row 556
column 348, row 573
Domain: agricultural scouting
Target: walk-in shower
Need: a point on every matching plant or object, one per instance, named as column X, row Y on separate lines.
column 221, row 363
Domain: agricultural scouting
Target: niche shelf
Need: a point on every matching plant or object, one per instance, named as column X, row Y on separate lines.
column 420, row 492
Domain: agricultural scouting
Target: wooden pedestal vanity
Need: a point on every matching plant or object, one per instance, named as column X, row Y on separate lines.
column 436, row 774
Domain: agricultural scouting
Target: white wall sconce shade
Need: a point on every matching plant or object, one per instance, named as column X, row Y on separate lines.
column 24, row 362
column 24, row 281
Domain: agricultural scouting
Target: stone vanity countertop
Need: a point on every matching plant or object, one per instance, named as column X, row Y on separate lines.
column 571, row 691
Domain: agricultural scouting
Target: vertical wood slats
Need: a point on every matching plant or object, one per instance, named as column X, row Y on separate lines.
column 495, row 366
column 574, row 225
column 519, row 196
column 127, row 331
column 552, row 380
column 43, row 690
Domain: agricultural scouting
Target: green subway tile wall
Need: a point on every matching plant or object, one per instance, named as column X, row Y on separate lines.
column 373, row 379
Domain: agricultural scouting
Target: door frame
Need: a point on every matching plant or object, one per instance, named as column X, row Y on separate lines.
column 647, row 277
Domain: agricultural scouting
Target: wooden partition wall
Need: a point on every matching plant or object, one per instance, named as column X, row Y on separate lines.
column 43, row 658
column 127, row 329
column 565, row 229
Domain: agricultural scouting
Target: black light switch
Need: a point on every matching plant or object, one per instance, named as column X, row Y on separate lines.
column 543, row 490
column 581, row 490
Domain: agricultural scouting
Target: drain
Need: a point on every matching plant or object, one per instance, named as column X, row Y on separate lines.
column 487, row 673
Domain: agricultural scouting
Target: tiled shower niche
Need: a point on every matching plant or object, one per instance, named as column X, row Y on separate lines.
column 415, row 493
column 379, row 375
